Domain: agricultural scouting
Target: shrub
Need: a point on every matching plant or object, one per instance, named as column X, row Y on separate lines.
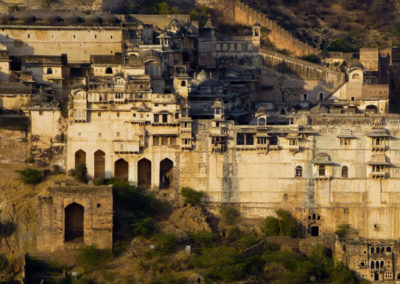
column 56, row 169
column 343, row 230
column 91, row 257
column 30, row 176
column 3, row 262
column 81, row 173
column 165, row 243
column 229, row 214
column 271, row 226
column 192, row 196
column 168, row 278
column 203, row 239
column 287, row 223
column 226, row 264
column 311, row 58
column 232, row 233
column 142, row 227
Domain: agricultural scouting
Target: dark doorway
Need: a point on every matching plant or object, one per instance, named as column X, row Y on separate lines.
column 144, row 173
column 315, row 231
column 99, row 164
column 121, row 169
column 80, row 157
column 376, row 278
column 166, row 166
column 74, row 223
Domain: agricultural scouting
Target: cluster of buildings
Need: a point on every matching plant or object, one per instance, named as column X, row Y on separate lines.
column 164, row 103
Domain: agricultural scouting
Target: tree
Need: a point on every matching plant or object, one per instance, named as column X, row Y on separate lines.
column 285, row 91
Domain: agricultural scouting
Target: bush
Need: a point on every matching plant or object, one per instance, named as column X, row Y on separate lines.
column 168, row 278
column 30, row 160
column 81, row 173
column 91, row 257
column 142, row 227
column 191, row 196
column 271, row 226
column 287, row 223
column 284, row 225
column 165, row 243
column 343, row 230
column 3, row 262
column 30, row 176
column 203, row 239
column 226, row 264
column 229, row 214
column 311, row 58
column 232, row 233
column 56, row 169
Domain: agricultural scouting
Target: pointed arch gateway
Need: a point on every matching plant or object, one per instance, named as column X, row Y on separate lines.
column 166, row 167
column 121, row 169
column 99, row 164
column 144, row 173
column 80, row 157
column 74, row 223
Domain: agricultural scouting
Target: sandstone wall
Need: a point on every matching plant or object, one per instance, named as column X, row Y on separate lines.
column 79, row 43
column 13, row 139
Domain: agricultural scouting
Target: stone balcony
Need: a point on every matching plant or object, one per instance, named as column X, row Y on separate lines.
column 378, row 175
column 294, row 148
column 379, row 148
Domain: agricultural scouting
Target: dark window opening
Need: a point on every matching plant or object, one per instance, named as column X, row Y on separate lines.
column 345, row 172
column 314, row 231
column 321, row 170
column 49, row 71
column 109, row 70
column 299, row 171
column 165, row 118
column 273, row 140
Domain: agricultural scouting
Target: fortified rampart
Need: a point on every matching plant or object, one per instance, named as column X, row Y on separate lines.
column 304, row 69
column 239, row 12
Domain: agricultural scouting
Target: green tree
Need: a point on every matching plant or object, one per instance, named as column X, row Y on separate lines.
column 191, row 196
column 271, row 226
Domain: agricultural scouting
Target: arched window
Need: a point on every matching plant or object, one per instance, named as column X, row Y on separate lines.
column 382, row 264
column 283, row 112
column 372, row 250
column 49, row 71
column 321, row 96
column 109, row 70
column 388, row 249
column 372, row 264
column 345, row 172
column 305, row 97
column 355, row 76
column 183, row 83
column 321, row 170
column 299, row 171
column 377, row 264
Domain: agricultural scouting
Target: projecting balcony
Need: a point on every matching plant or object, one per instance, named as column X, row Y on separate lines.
column 171, row 131
column 323, row 177
column 217, row 131
column 126, row 147
column 378, row 148
column 379, row 175
column 294, row 148
column 274, row 147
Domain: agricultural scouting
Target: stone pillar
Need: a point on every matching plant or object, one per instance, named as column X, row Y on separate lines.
column 109, row 165
column 132, row 174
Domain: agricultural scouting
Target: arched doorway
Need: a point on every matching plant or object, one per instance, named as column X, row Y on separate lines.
column 74, row 223
column 99, row 164
column 80, row 157
column 144, row 173
column 121, row 169
column 166, row 166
